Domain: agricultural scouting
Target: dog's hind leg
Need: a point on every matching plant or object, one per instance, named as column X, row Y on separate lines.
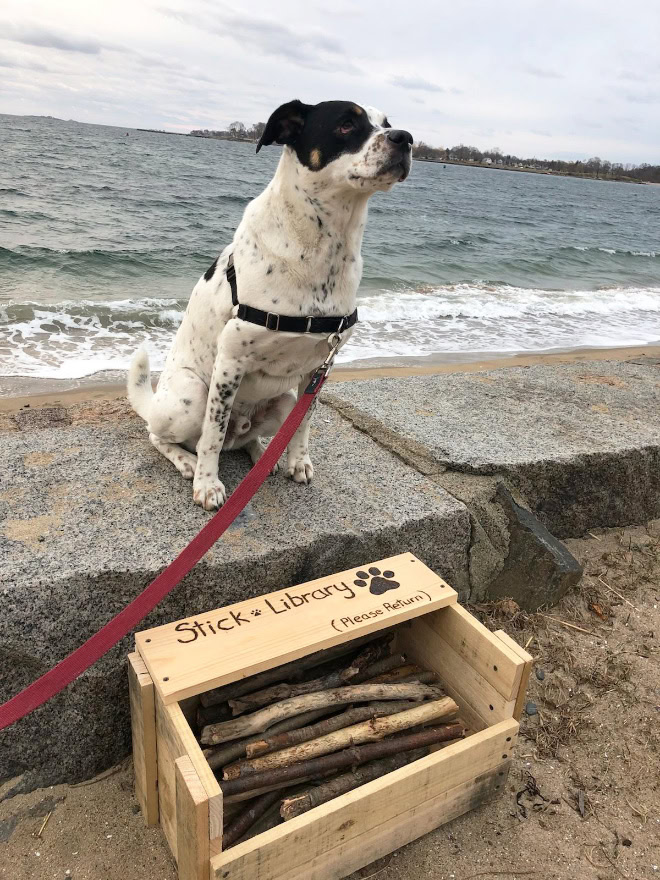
column 175, row 417
column 267, row 419
column 185, row 462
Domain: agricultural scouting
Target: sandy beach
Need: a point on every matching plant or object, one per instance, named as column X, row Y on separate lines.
column 16, row 393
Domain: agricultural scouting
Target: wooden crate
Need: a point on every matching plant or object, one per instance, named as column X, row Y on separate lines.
column 485, row 673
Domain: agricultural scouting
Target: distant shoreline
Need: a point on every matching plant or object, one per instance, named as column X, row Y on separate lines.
column 495, row 167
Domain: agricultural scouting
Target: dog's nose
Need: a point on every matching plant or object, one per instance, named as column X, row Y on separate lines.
column 400, row 137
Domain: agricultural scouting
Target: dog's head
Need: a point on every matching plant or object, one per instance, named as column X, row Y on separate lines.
column 344, row 144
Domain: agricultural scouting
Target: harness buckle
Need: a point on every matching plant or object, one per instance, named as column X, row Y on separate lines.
column 309, row 323
column 272, row 321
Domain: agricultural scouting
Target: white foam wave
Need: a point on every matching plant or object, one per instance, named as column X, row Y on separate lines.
column 71, row 340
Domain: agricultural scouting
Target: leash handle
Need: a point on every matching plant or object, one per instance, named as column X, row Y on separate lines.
column 68, row 669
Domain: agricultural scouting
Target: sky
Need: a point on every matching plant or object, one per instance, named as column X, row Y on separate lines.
column 562, row 79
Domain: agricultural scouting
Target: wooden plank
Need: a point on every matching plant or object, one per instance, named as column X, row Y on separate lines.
column 351, row 820
column 528, row 662
column 199, row 653
column 143, row 730
column 192, row 822
column 357, row 852
column 471, row 691
column 176, row 739
column 483, row 650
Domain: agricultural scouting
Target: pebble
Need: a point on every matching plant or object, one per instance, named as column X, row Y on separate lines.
column 530, row 708
column 540, row 674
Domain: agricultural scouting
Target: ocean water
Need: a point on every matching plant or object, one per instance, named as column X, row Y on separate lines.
column 104, row 232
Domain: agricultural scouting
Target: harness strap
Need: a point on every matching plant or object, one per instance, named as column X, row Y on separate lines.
column 285, row 323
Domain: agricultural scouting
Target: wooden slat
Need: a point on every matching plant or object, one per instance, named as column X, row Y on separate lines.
column 192, row 822
column 397, row 832
column 143, row 730
column 473, row 693
column 175, row 739
column 190, row 656
column 481, row 649
column 350, row 825
column 528, row 662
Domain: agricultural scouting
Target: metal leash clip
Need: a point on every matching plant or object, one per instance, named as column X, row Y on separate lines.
column 320, row 375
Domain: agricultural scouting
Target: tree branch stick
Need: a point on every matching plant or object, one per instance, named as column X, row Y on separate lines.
column 298, row 804
column 258, row 722
column 244, row 821
column 366, row 731
column 226, row 752
column 360, row 670
column 259, row 746
column 293, row 670
column 340, row 760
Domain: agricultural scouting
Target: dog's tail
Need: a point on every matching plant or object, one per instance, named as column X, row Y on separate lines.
column 138, row 385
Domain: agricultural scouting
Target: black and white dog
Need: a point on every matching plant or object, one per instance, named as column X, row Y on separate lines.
column 227, row 383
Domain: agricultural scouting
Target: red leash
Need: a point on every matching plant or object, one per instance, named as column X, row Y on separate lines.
column 68, row 669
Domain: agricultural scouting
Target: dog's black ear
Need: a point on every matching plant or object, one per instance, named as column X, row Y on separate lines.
column 285, row 124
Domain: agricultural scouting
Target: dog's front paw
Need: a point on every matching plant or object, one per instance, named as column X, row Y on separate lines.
column 301, row 470
column 209, row 493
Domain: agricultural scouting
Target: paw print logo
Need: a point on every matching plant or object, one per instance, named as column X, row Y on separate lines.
column 256, row 612
column 377, row 581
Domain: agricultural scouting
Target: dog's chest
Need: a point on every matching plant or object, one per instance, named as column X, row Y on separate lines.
column 282, row 365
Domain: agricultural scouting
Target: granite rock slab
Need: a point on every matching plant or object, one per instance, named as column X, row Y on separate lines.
column 580, row 441
column 89, row 515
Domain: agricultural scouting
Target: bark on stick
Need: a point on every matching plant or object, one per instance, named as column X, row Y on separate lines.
column 298, row 804
column 372, row 730
column 262, row 746
column 293, row 670
column 259, row 722
column 223, row 754
column 359, row 671
column 354, row 756
column 245, row 820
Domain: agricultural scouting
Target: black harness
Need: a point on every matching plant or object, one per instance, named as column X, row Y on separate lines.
column 286, row 323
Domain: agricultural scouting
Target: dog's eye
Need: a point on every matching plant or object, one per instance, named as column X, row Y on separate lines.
column 346, row 127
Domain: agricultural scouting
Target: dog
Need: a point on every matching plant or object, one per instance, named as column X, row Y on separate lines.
column 228, row 383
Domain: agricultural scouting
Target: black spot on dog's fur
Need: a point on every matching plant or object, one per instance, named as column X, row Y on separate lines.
column 315, row 131
column 211, row 270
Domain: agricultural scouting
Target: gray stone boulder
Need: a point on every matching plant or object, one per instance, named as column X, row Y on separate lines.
column 89, row 515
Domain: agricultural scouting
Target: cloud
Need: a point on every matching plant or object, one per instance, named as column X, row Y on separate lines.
column 21, row 63
column 307, row 49
column 416, row 83
column 34, row 35
column 542, row 72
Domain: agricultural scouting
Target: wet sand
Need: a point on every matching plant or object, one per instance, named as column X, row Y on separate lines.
column 16, row 393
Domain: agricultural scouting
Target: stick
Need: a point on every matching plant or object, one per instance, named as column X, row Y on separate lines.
column 367, row 731
column 269, row 820
column 563, row 623
column 258, row 722
column 340, row 760
column 359, row 670
column 406, row 671
column 293, row 670
column 230, row 751
column 212, row 714
column 612, row 590
column 275, row 741
column 321, row 794
column 246, row 820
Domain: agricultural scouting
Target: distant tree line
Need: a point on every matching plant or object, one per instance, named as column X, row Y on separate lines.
column 237, row 131
column 595, row 167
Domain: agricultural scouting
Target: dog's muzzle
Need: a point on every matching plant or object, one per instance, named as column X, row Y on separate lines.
column 400, row 144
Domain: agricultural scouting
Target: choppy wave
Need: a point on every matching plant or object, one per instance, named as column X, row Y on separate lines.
column 71, row 339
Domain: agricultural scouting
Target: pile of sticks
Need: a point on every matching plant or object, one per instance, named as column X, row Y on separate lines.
column 286, row 740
